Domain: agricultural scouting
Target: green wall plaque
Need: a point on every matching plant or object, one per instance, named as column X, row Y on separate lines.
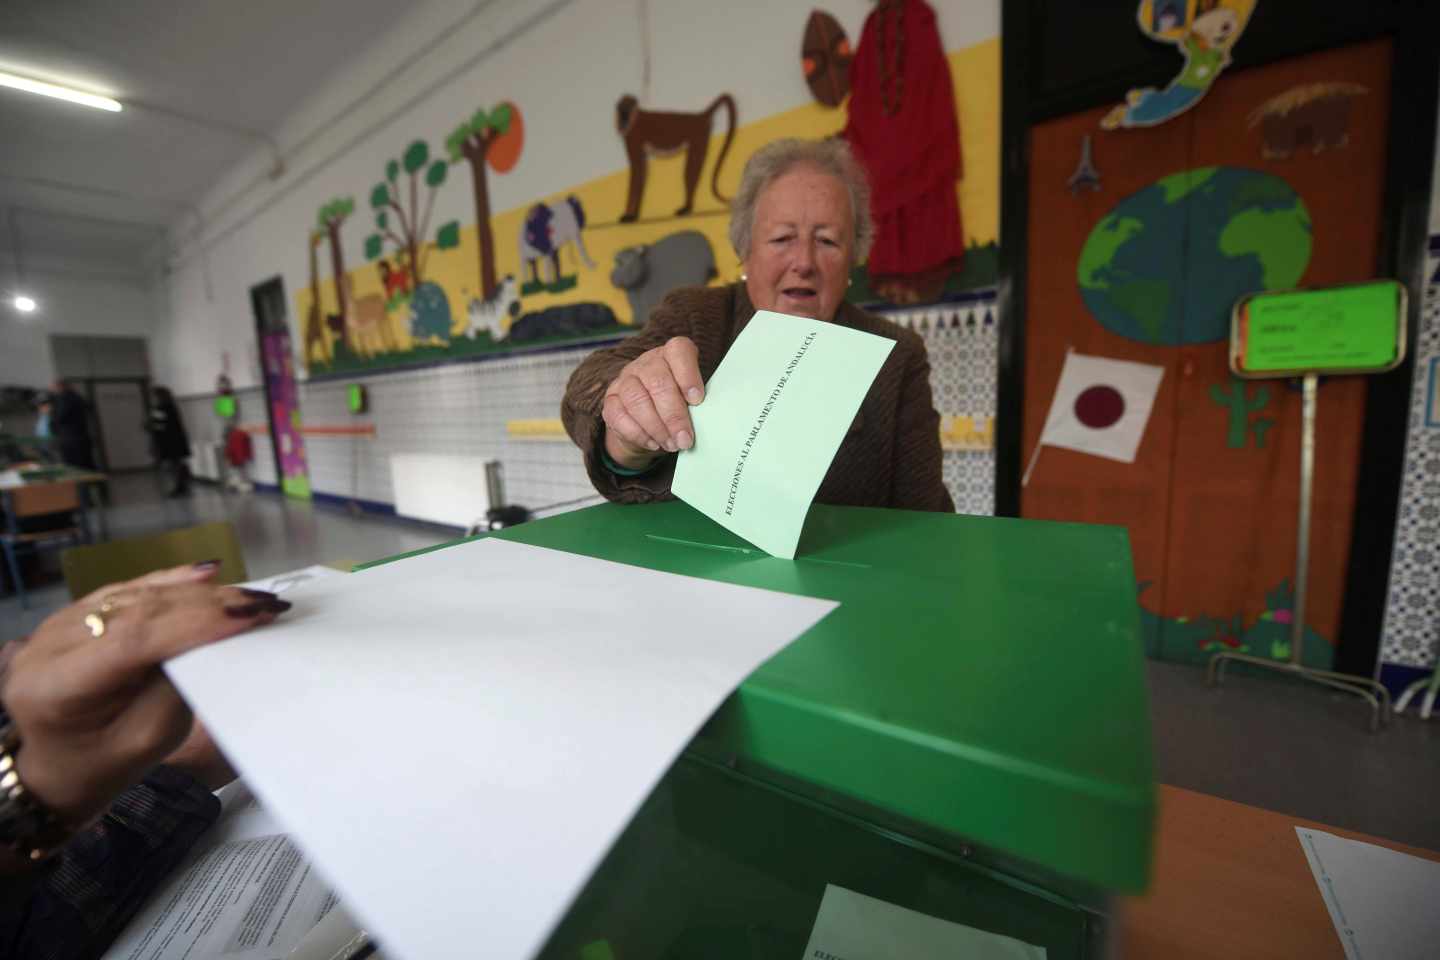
column 357, row 398
column 225, row 406
column 1357, row 328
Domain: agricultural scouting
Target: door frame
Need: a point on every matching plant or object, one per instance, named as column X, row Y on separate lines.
column 1039, row 85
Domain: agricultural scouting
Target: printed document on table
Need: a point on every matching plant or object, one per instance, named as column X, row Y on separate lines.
column 774, row 414
column 245, row 893
column 852, row 926
column 456, row 739
column 1383, row 903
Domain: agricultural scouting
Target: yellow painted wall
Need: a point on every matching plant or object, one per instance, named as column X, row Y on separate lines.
column 976, row 74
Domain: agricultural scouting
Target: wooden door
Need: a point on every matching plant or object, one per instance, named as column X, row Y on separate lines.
column 1067, row 485
column 1302, row 124
column 1273, row 181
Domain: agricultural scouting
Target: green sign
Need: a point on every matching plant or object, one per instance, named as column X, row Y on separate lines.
column 225, row 406
column 1359, row 328
column 355, row 398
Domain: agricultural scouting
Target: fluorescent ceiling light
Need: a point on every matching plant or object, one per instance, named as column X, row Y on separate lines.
column 58, row 92
column 24, row 304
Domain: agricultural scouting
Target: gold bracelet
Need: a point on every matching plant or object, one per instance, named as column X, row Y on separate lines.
column 27, row 826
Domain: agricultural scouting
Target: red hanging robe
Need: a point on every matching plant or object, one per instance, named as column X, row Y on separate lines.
column 904, row 130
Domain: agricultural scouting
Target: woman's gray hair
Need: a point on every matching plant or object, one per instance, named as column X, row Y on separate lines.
column 778, row 158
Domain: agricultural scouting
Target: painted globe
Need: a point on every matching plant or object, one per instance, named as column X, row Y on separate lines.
column 1167, row 264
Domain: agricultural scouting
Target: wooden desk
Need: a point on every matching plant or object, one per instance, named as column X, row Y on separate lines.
column 87, row 479
column 69, row 476
column 1231, row 881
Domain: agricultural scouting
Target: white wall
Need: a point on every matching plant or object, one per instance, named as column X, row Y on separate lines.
column 70, row 302
column 564, row 62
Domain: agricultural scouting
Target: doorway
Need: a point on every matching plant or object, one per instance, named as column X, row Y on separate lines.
column 1192, row 214
column 121, row 409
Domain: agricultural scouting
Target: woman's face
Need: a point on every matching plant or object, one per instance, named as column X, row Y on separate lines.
column 800, row 245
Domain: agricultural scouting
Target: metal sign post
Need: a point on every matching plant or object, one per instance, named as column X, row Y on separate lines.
column 1342, row 330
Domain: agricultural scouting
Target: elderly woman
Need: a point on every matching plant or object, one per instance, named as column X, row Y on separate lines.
column 800, row 222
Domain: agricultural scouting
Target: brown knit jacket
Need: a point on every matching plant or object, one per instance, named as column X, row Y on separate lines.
column 889, row 458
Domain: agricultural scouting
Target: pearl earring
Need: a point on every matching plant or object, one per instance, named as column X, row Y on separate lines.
column 744, row 277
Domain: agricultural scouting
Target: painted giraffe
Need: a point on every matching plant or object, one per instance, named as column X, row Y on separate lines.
column 315, row 318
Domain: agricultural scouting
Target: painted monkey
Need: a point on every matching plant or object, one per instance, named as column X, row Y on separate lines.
column 648, row 132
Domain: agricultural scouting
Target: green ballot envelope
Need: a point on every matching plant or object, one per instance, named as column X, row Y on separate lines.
column 966, row 736
column 775, row 412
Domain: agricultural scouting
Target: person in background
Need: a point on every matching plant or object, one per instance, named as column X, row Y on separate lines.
column 70, row 425
column 43, row 409
column 169, row 440
column 106, row 779
column 799, row 223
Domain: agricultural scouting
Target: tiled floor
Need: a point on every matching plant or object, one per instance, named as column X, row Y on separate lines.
column 1259, row 740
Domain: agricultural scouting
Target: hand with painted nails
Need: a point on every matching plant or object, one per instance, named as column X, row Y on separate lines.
column 89, row 702
column 647, row 407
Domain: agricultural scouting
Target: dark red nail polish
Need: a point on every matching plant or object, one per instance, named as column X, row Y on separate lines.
column 258, row 594
column 244, row 611
column 207, row 564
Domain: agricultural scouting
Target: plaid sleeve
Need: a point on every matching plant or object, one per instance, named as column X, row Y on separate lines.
column 76, row 904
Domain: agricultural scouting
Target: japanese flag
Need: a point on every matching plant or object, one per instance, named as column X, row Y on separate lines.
column 1101, row 406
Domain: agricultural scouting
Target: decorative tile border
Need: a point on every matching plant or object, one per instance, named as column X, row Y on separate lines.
column 1412, row 615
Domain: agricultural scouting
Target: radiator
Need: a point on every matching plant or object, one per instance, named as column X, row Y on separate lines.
column 440, row 488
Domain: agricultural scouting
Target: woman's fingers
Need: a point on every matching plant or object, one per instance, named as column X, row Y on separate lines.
column 648, row 404
column 173, row 576
column 670, row 405
column 156, row 721
column 634, row 395
column 619, row 423
column 151, row 723
column 152, row 625
column 684, row 359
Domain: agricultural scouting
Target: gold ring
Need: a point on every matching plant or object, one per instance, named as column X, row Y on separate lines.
column 95, row 621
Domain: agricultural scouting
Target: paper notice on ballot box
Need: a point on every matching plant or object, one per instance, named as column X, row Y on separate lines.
column 774, row 414
column 852, row 926
column 456, row 739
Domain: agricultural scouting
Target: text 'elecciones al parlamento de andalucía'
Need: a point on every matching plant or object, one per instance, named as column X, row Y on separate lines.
column 760, row 420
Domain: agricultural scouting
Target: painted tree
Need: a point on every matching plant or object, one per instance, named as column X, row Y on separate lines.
column 491, row 139
column 330, row 218
column 409, row 227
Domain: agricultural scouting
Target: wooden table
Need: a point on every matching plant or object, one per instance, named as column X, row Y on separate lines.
column 87, row 479
column 1230, row 880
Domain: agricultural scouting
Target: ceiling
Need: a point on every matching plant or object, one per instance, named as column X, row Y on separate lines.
column 203, row 82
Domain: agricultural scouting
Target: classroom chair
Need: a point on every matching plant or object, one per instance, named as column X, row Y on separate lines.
column 30, row 502
column 87, row 569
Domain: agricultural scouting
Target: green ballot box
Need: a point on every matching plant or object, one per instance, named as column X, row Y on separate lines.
column 965, row 736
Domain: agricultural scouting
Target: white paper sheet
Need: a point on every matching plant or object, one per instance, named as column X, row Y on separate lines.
column 852, row 926
column 1384, row 904
column 457, row 739
column 244, row 893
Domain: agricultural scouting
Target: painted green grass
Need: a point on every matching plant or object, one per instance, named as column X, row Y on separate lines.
column 457, row 350
column 980, row 270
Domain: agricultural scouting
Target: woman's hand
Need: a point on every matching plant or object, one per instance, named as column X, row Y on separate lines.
column 647, row 407
column 95, row 713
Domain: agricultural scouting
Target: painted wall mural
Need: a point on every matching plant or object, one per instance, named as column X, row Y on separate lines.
column 825, row 57
column 1204, row 31
column 1246, row 230
column 591, row 261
